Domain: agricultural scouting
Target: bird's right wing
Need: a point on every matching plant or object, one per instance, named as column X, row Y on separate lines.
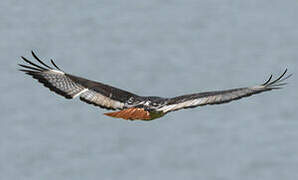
column 219, row 97
column 70, row 86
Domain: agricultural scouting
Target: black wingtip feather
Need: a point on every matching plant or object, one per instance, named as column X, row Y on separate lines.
column 38, row 67
column 268, row 80
column 55, row 65
column 25, row 70
column 276, row 84
column 33, row 64
column 35, row 71
column 40, row 61
column 30, row 67
column 286, row 77
column 276, row 80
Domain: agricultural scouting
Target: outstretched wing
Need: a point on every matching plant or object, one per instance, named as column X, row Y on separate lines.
column 71, row 86
column 219, row 97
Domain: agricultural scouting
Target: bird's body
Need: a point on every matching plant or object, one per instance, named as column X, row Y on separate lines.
column 132, row 106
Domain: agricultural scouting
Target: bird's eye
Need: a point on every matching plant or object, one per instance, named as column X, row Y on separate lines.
column 130, row 100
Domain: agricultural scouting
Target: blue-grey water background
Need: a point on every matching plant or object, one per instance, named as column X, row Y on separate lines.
column 163, row 48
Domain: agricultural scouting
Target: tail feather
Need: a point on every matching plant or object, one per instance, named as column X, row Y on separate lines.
column 131, row 114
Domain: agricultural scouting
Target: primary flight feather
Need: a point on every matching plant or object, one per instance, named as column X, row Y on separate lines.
column 132, row 106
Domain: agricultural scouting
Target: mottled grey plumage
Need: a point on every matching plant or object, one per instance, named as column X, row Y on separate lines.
column 223, row 96
column 71, row 86
column 146, row 108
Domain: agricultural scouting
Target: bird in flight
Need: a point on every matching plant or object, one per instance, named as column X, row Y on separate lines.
column 130, row 105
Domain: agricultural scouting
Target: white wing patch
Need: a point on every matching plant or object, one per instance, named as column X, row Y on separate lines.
column 57, row 71
column 193, row 102
column 98, row 99
column 84, row 90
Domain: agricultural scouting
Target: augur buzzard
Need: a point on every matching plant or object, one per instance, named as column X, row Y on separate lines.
column 132, row 106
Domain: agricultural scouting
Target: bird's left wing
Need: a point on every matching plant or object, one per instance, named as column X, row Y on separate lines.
column 219, row 97
column 71, row 86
